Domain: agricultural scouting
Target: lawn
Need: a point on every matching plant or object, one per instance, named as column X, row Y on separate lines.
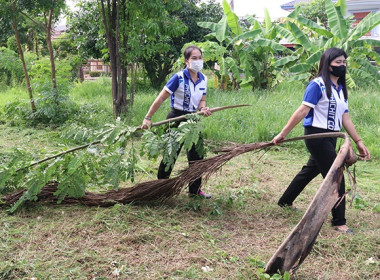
column 230, row 236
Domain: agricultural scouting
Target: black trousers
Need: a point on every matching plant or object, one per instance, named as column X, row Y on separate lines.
column 322, row 156
column 192, row 155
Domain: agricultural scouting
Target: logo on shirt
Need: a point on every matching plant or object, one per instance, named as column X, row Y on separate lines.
column 331, row 113
column 186, row 96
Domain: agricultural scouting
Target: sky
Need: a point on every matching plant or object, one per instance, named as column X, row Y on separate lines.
column 249, row 7
column 242, row 8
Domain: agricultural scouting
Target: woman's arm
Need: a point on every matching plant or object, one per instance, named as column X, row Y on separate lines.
column 350, row 128
column 164, row 94
column 297, row 116
column 202, row 107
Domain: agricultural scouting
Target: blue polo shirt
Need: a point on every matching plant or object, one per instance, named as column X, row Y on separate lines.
column 185, row 94
column 325, row 113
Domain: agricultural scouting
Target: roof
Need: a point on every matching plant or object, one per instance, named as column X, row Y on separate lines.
column 350, row 3
column 290, row 5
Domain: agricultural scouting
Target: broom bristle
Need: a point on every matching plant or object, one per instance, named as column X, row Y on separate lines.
column 160, row 189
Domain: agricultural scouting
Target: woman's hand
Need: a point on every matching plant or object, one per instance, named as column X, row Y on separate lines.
column 363, row 151
column 278, row 139
column 146, row 124
column 206, row 111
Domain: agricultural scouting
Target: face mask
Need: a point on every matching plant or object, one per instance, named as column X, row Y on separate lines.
column 196, row 65
column 338, row 71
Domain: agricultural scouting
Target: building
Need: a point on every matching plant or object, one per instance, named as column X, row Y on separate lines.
column 93, row 69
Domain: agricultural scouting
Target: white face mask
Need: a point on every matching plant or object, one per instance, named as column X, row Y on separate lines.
column 196, row 65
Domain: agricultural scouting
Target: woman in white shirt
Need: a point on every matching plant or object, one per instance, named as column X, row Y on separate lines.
column 324, row 109
column 187, row 91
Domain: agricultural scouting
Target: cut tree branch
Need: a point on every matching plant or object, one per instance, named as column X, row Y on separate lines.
column 176, row 119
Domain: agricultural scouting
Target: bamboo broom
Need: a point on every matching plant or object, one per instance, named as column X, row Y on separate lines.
column 160, row 189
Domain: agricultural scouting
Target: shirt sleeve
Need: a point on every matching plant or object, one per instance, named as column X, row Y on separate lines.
column 172, row 85
column 312, row 94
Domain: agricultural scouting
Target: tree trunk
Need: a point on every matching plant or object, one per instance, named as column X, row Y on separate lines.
column 21, row 52
column 111, row 21
column 50, row 47
column 302, row 238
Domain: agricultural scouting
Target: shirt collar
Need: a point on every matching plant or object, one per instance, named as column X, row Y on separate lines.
column 187, row 74
column 339, row 87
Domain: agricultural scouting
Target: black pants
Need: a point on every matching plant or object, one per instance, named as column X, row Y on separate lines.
column 192, row 155
column 322, row 156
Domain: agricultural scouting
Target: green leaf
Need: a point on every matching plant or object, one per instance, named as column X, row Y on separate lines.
column 300, row 36
column 5, row 175
column 294, row 14
column 170, row 148
column 52, row 168
column 75, row 163
column 112, row 172
column 315, row 57
column 342, row 5
column 300, row 77
column 221, row 30
column 246, row 35
column 131, row 164
column 349, row 80
column 314, row 26
column 301, row 67
column 336, row 21
column 210, row 25
column 269, row 43
column 232, row 19
column 285, row 33
column 366, row 66
column 151, row 144
column 73, row 185
column 189, row 134
column 284, row 61
column 233, row 67
column 267, row 20
column 364, row 26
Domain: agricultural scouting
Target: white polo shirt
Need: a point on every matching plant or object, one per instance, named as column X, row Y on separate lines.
column 185, row 95
column 325, row 113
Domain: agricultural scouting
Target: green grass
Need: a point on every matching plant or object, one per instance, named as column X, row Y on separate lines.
column 234, row 233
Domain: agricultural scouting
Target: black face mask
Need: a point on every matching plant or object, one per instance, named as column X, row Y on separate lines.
column 338, row 71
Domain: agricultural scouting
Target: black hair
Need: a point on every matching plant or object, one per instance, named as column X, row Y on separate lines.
column 187, row 52
column 324, row 71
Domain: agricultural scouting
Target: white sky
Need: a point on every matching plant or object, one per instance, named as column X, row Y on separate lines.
column 249, row 7
column 242, row 7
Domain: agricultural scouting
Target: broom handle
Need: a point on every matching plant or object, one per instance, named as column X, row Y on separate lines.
column 180, row 118
column 317, row 135
column 137, row 128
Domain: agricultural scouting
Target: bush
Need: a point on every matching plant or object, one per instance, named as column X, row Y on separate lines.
column 54, row 107
column 11, row 71
column 99, row 74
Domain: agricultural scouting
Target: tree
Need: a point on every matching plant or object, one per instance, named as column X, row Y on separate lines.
column 243, row 54
column 10, row 9
column 160, row 64
column 132, row 31
column 46, row 12
column 312, row 39
column 315, row 11
column 86, row 31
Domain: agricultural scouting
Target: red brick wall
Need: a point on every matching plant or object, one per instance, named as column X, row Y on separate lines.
column 358, row 17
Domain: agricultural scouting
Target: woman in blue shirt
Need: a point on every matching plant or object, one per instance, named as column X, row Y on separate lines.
column 324, row 109
column 187, row 91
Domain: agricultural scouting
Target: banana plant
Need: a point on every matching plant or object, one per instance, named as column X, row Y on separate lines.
column 312, row 39
column 245, row 54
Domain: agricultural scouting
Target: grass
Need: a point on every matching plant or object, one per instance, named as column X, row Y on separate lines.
column 234, row 233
